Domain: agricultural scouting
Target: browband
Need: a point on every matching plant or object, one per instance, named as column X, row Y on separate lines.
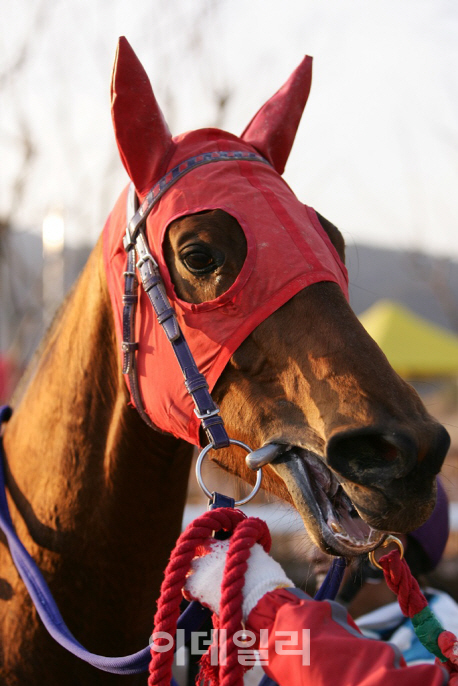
column 158, row 190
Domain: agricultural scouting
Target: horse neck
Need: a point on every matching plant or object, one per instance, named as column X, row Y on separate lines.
column 88, row 479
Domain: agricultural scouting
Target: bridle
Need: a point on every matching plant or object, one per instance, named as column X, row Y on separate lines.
column 136, row 246
column 139, row 257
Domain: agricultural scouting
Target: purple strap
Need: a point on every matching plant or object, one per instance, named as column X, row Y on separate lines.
column 331, row 584
column 191, row 620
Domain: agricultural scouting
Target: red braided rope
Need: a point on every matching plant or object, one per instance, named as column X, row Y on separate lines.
column 168, row 609
column 246, row 534
column 400, row 580
column 411, row 601
column 448, row 643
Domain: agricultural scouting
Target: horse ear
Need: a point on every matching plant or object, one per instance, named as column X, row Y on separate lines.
column 273, row 129
column 142, row 135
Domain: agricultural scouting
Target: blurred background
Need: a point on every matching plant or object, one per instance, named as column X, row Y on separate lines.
column 376, row 153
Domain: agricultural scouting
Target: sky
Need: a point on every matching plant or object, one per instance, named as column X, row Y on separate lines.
column 377, row 149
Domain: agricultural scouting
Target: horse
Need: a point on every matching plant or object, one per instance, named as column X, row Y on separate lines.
column 257, row 283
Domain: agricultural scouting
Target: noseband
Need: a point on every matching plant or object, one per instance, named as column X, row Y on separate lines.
column 136, row 246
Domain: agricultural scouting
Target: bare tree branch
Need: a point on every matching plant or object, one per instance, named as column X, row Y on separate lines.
column 25, row 142
column 24, row 49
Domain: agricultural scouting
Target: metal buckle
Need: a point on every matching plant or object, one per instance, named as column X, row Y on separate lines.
column 207, row 415
column 128, row 241
column 144, row 258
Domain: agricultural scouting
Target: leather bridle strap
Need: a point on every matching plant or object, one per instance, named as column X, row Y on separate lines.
column 136, row 244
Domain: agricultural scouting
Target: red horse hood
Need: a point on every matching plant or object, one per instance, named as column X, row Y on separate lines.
column 287, row 250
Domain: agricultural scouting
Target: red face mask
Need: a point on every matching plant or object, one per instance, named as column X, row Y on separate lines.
column 287, row 249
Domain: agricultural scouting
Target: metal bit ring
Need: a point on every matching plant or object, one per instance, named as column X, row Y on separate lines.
column 200, row 459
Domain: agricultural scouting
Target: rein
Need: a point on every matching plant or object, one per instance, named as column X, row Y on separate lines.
column 191, row 620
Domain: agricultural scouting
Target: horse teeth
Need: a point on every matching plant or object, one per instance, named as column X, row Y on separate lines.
column 336, row 528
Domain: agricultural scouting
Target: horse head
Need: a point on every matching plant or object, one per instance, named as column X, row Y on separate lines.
column 259, row 286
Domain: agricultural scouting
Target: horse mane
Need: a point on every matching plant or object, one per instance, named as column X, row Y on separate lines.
column 29, row 371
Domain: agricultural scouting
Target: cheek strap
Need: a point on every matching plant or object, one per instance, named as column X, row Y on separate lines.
column 136, row 246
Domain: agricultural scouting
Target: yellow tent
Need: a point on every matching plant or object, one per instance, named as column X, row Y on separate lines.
column 414, row 347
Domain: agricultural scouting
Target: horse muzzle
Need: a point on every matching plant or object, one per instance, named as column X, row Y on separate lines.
column 370, row 482
column 327, row 511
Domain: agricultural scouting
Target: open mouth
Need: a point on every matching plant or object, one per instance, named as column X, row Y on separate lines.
column 328, row 513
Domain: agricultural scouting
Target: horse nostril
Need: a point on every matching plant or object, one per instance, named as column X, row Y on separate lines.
column 368, row 456
column 435, row 457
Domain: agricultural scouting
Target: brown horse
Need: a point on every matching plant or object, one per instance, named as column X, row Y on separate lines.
column 97, row 496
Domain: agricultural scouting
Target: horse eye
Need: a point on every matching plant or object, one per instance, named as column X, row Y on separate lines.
column 199, row 261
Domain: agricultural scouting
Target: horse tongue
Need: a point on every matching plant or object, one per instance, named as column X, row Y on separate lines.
column 262, row 456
